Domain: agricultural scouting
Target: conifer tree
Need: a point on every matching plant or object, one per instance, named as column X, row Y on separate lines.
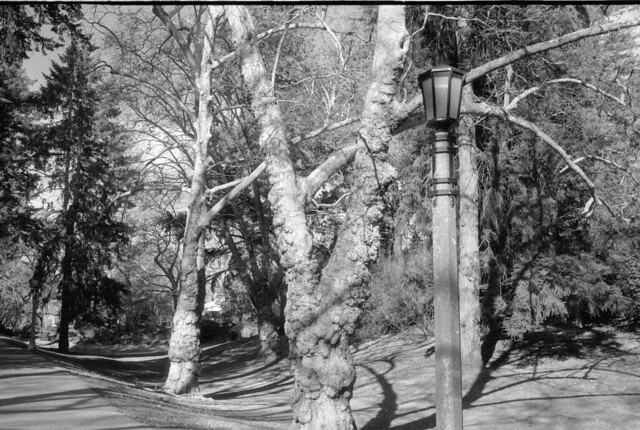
column 84, row 152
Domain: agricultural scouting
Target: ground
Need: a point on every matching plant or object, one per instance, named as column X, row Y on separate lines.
column 556, row 378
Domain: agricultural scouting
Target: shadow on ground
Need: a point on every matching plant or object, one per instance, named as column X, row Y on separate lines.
column 538, row 357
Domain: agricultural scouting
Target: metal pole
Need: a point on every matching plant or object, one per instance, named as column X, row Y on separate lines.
column 445, row 280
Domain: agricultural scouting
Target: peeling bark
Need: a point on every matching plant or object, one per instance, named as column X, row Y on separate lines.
column 323, row 308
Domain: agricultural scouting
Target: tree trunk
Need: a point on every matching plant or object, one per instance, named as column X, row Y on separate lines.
column 35, row 293
column 270, row 349
column 184, row 344
column 492, row 303
column 322, row 311
column 469, row 263
column 65, row 286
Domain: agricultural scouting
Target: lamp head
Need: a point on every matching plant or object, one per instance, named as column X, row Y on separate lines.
column 442, row 94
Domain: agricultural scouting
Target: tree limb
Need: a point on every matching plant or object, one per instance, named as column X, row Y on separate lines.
column 605, row 161
column 413, row 104
column 319, row 176
column 175, row 32
column 331, row 165
column 185, row 108
column 489, row 110
column 515, row 101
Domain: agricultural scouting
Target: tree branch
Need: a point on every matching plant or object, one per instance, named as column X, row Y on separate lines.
column 605, row 161
column 231, row 55
column 515, row 101
column 489, row 110
column 314, row 181
column 175, row 32
column 185, row 108
column 408, row 108
column 335, row 162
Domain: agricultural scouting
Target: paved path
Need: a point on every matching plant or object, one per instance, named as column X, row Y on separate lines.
column 35, row 394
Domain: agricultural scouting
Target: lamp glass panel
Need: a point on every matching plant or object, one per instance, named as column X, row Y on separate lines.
column 441, row 85
column 427, row 98
column 456, row 95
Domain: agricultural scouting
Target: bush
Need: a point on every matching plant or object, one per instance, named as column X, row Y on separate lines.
column 401, row 295
column 213, row 328
column 628, row 280
column 563, row 288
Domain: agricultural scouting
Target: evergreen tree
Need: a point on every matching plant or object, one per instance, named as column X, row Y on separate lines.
column 84, row 152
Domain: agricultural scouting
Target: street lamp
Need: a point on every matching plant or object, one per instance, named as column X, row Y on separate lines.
column 442, row 93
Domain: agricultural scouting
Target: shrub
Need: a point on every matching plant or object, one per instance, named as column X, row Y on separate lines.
column 216, row 328
column 401, row 295
column 573, row 289
column 627, row 270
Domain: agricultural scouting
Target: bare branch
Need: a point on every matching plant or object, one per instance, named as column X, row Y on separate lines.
column 211, row 191
column 330, row 205
column 175, row 32
column 314, row 181
column 603, row 160
column 264, row 35
column 185, row 108
column 277, row 59
column 485, row 109
column 335, row 162
column 207, row 218
column 515, row 101
column 335, row 39
column 408, row 108
column 323, row 129
column 537, row 48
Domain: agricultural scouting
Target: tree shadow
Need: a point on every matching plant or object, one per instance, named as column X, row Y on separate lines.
column 279, row 385
column 389, row 404
column 552, row 343
column 564, row 342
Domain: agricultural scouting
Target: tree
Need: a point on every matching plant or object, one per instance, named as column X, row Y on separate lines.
column 324, row 296
column 20, row 32
column 323, row 305
column 22, row 24
column 206, row 177
column 85, row 152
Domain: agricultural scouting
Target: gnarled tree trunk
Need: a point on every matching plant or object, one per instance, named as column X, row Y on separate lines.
column 184, row 345
column 323, row 308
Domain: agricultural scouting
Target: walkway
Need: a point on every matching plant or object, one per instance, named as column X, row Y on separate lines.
column 36, row 394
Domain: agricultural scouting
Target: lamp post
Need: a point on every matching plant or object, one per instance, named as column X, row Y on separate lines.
column 442, row 93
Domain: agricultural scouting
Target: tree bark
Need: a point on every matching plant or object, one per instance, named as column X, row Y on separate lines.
column 322, row 309
column 270, row 350
column 469, row 263
column 184, row 344
column 65, row 312
column 35, row 296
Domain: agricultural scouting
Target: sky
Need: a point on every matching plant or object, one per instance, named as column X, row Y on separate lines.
column 38, row 64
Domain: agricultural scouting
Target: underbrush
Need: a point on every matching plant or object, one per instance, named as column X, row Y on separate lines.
column 401, row 296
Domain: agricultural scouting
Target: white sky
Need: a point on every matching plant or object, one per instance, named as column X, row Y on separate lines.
column 38, row 64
